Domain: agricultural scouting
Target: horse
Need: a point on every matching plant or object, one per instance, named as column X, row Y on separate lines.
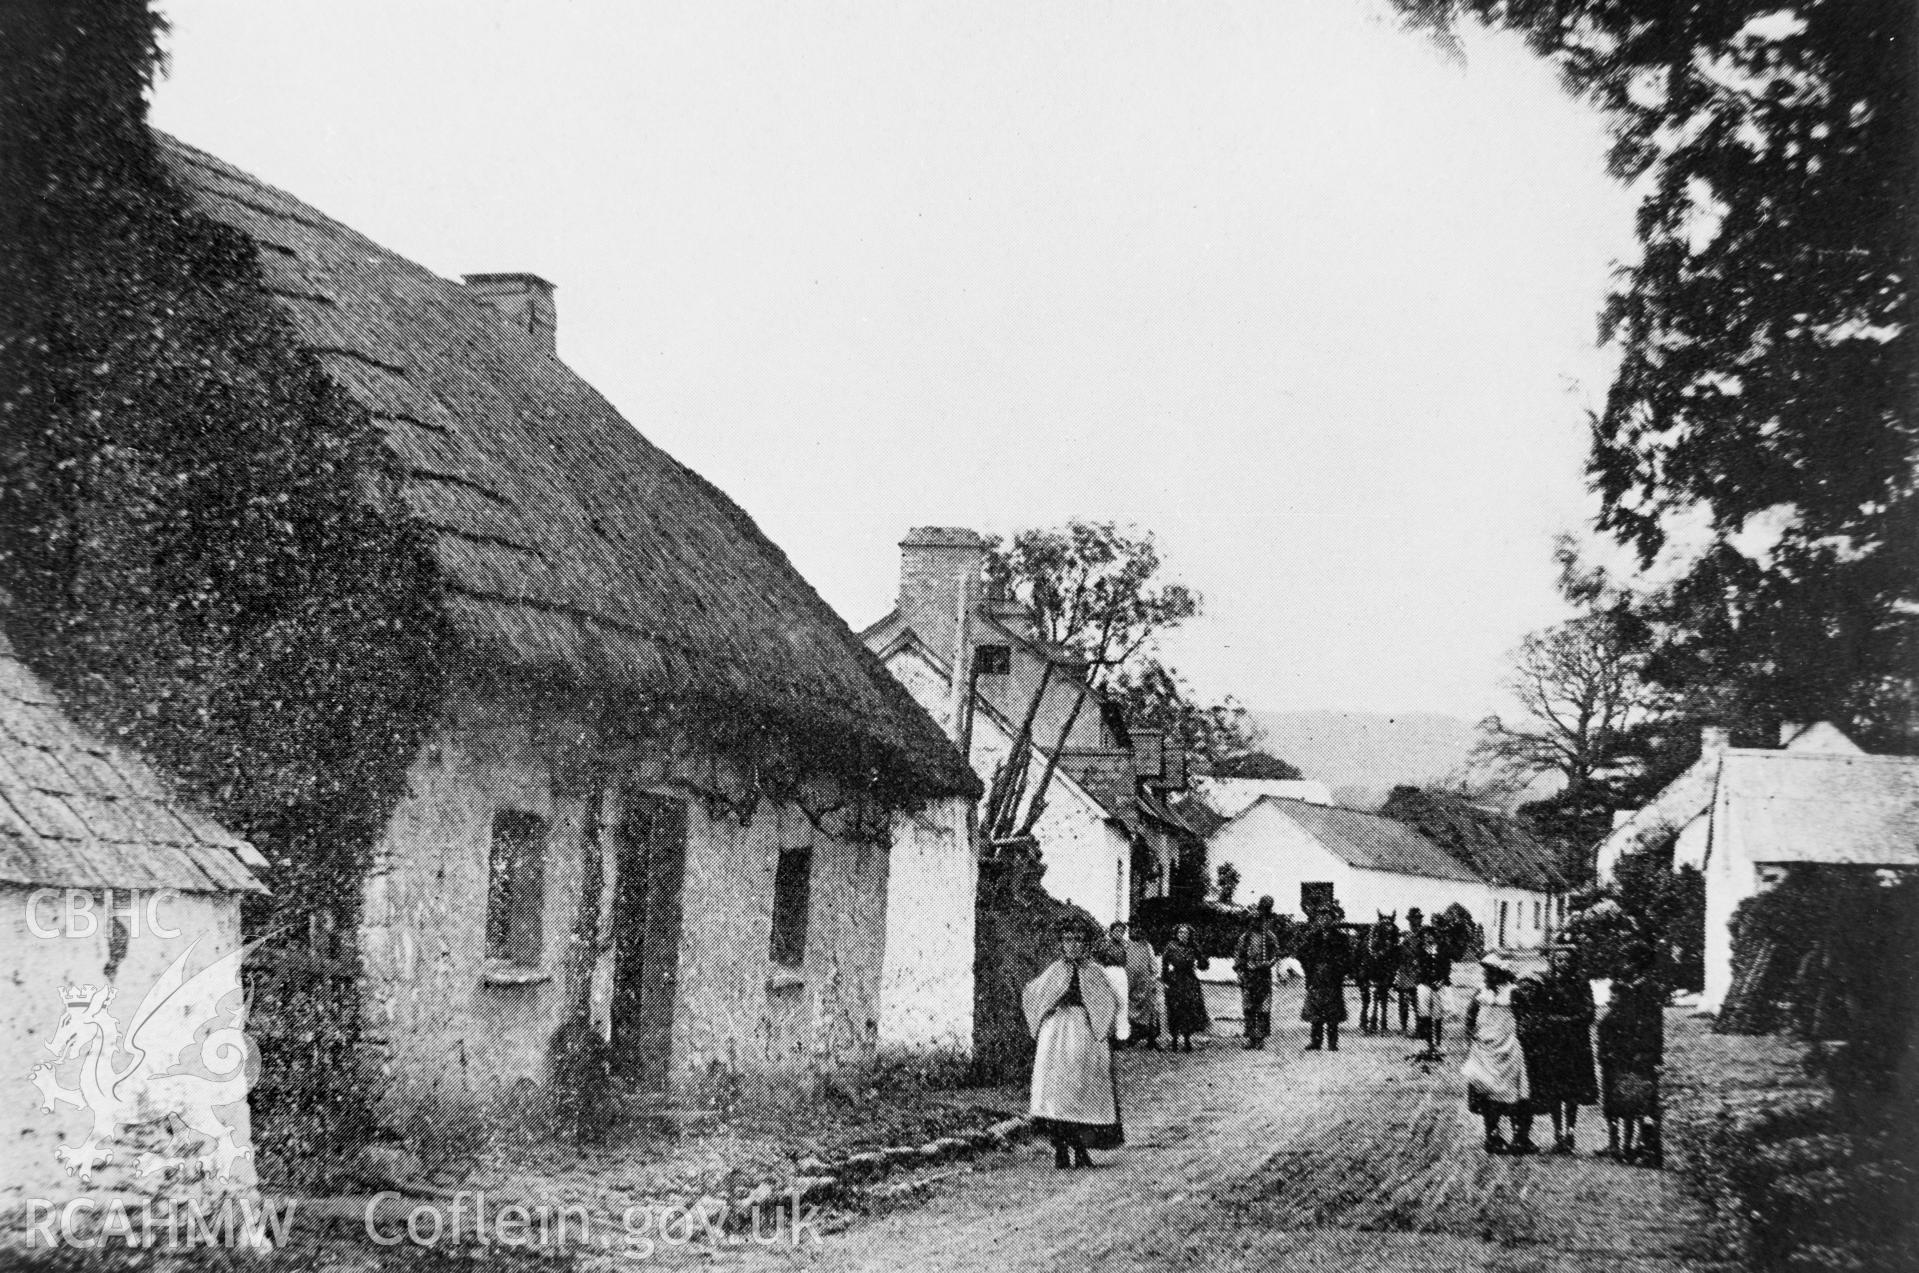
column 1378, row 966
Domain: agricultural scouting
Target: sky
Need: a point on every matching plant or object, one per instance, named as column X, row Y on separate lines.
column 1272, row 280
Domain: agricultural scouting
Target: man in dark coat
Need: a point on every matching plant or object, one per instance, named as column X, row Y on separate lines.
column 1326, row 956
column 1253, row 960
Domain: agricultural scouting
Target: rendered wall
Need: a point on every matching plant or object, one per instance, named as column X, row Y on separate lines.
column 1274, row 856
column 446, row 1034
column 926, row 988
column 60, row 954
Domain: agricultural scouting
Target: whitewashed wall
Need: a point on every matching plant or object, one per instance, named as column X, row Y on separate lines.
column 926, row 986
column 41, row 964
column 1275, row 855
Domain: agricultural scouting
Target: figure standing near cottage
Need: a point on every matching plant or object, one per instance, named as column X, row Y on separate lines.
column 1326, row 956
column 1142, row 989
column 1406, row 976
column 1435, row 972
column 1555, row 1015
column 1186, row 1014
column 1253, row 962
column 1632, row 1048
column 1071, row 1011
column 1497, row 1085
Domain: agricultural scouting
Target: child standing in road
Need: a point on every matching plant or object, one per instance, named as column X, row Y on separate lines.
column 1497, row 1085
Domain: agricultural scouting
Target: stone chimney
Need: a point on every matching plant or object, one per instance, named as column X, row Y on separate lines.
column 525, row 301
column 936, row 564
column 1714, row 738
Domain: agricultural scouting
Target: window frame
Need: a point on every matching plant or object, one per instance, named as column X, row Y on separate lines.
column 792, row 909
column 515, row 918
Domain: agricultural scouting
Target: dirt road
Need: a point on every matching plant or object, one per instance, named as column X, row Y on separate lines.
column 1280, row 1159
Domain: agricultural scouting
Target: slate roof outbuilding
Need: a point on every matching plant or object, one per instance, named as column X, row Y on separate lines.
column 76, row 812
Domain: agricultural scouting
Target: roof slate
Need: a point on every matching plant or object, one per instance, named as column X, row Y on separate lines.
column 1372, row 842
column 1848, row 810
column 77, row 813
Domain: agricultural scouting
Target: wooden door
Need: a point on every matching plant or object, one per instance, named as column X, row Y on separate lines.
column 651, row 868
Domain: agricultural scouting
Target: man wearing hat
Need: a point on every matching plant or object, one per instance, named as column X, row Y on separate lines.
column 1433, row 969
column 1253, row 960
column 1327, row 957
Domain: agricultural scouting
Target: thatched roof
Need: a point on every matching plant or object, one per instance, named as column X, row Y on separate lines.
column 1491, row 844
column 566, row 542
column 78, row 813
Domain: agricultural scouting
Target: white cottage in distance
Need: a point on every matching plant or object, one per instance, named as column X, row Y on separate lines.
column 1295, row 850
column 1105, row 834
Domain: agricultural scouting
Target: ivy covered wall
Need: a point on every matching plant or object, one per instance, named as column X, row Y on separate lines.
column 198, row 546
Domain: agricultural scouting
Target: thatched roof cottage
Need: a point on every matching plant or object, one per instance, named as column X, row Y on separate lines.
column 669, row 785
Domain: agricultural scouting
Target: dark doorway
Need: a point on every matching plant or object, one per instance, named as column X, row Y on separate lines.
column 650, row 869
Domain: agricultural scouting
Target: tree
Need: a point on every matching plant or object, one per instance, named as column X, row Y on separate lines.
column 1228, row 883
column 1091, row 587
column 1587, row 706
column 1768, row 373
column 1094, row 591
column 1153, row 696
column 1255, row 764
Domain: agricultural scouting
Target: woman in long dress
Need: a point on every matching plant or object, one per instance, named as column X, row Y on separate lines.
column 1497, row 1085
column 1185, row 998
column 1555, row 1013
column 1142, row 991
column 1072, row 1011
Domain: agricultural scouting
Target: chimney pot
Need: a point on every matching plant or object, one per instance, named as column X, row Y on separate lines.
column 525, row 301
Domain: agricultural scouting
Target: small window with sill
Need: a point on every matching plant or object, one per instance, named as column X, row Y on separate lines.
column 516, row 889
column 792, row 903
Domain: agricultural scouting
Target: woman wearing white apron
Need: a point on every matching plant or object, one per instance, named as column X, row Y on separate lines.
column 1072, row 1011
column 1495, row 1070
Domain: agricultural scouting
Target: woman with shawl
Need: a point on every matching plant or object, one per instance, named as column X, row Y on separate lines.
column 1497, row 1085
column 1185, row 997
column 1071, row 1011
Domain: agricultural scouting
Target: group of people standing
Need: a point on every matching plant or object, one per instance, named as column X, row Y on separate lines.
column 1531, row 1040
column 1177, row 969
column 1415, row 965
column 1532, row 1052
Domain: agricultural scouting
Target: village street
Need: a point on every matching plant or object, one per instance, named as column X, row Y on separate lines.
column 1287, row 1160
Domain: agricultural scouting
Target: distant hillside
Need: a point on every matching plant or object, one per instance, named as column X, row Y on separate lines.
column 1363, row 755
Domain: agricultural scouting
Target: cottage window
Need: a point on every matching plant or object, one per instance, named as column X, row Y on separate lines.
column 993, row 660
column 516, row 888
column 792, row 901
